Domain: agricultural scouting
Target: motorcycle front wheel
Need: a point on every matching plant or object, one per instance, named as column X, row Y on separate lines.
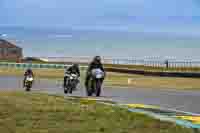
column 65, row 87
column 89, row 92
column 98, row 87
column 89, row 87
column 28, row 87
column 65, row 90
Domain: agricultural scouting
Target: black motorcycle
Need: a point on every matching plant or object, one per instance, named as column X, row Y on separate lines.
column 95, row 82
column 28, row 83
column 71, row 83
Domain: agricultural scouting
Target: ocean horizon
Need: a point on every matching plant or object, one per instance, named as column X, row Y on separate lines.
column 75, row 42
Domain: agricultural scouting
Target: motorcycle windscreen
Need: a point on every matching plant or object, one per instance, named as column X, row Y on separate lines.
column 29, row 79
column 99, row 76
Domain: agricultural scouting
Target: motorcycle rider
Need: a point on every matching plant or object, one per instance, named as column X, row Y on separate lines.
column 74, row 69
column 95, row 64
column 27, row 73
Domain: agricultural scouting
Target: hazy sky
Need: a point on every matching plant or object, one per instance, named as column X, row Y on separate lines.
column 182, row 16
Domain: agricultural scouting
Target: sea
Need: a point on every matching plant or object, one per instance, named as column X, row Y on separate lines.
column 67, row 42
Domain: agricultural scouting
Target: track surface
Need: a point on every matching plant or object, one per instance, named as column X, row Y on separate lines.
column 188, row 101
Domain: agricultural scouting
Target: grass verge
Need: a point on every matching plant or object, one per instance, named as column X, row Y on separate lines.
column 117, row 79
column 40, row 113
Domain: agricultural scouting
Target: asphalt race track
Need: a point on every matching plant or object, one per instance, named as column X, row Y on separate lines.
column 183, row 100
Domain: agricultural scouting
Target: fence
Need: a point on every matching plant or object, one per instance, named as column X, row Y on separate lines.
column 171, row 64
column 35, row 66
column 128, row 61
column 82, row 68
column 154, row 63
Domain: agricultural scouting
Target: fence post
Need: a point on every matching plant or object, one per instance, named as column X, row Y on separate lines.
column 167, row 64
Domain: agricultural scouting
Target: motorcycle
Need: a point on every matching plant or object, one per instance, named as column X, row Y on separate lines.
column 96, row 82
column 71, row 83
column 28, row 83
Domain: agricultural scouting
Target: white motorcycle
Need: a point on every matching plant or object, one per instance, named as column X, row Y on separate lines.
column 29, row 82
column 96, row 82
column 71, row 83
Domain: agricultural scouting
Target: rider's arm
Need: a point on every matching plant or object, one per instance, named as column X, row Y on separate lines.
column 102, row 68
column 69, row 70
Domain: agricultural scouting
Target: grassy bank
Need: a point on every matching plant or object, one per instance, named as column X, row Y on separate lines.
column 40, row 113
column 117, row 79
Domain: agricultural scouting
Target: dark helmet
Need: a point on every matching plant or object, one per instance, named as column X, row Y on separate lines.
column 29, row 70
column 75, row 65
column 97, row 58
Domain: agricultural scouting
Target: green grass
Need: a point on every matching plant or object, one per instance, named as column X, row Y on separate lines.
column 117, row 79
column 40, row 113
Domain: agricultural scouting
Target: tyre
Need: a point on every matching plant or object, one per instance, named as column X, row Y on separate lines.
column 73, row 86
column 89, row 89
column 70, row 89
column 28, row 86
column 98, row 88
column 89, row 92
column 28, row 89
column 65, row 90
column 70, row 86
